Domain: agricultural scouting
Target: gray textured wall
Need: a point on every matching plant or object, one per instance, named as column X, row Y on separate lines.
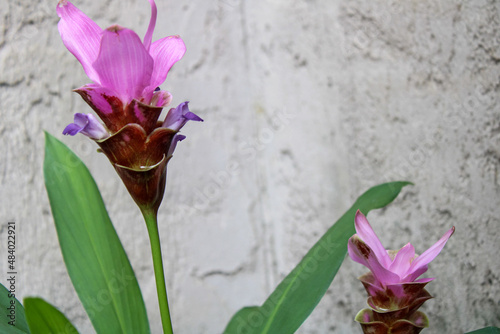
column 312, row 102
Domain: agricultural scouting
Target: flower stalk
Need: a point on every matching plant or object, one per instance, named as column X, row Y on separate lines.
column 150, row 218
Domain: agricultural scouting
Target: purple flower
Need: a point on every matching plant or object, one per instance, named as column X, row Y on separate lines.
column 177, row 117
column 87, row 125
column 177, row 138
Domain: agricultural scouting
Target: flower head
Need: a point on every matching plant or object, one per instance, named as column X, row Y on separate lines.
column 126, row 74
column 393, row 284
column 390, row 267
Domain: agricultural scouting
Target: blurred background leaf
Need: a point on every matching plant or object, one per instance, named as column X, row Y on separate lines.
column 44, row 318
column 20, row 324
column 486, row 330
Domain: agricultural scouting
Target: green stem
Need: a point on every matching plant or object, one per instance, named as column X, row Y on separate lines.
column 154, row 238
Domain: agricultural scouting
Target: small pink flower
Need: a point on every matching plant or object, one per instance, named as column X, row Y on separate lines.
column 391, row 267
column 393, row 285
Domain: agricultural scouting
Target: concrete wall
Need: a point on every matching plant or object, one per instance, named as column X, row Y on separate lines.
column 306, row 105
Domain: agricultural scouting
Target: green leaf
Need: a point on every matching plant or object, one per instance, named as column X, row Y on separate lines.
column 298, row 294
column 486, row 330
column 94, row 256
column 44, row 318
column 13, row 319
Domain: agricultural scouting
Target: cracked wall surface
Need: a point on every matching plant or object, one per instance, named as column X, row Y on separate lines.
column 306, row 105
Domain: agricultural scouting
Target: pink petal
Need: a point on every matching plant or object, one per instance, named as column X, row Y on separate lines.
column 413, row 275
column 152, row 22
column 366, row 233
column 360, row 252
column 402, row 260
column 123, row 63
column 165, row 52
column 80, row 35
column 421, row 261
column 424, row 280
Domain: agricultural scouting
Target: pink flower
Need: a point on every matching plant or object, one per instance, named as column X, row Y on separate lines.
column 391, row 267
column 126, row 74
column 393, row 285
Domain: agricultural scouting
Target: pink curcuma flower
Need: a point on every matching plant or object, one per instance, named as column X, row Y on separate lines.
column 391, row 267
column 393, row 285
column 126, row 74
